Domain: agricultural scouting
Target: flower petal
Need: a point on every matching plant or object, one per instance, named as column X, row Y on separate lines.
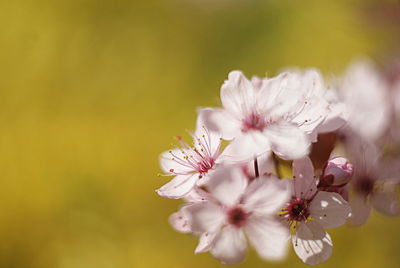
column 179, row 186
column 311, row 243
column 229, row 246
column 238, row 94
column 287, row 140
column 360, row 209
column 305, row 183
column 246, row 147
column 329, row 209
column 205, row 243
column 219, row 121
column 268, row 236
column 366, row 97
column 179, row 222
column 266, row 195
column 386, row 203
column 169, row 163
column 204, row 217
column 227, row 184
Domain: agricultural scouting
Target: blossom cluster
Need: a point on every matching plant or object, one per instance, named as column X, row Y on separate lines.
column 284, row 159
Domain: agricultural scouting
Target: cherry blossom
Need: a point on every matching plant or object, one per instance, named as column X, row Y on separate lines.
column 280, row 114
column 190, row 165
column 237, row 209
column 310, row 211
column 374, row 183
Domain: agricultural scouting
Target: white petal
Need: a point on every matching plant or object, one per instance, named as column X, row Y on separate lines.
column 287, row 140
column 314, row 108
column 205, row 243
column 266, row 195
column 268, row 236
column 230, row 245
column 329, row 209
column 237, row 94
column 386, row 203
column 360, row 209
column 305, row 183
column 179, row 222
column 219, row 121
column 311, row 243
column 179, row 186
column 204, row 217
column 169, row 165
column 366, row 96
column 227, row 184
column 279, row 95
column 246, row 147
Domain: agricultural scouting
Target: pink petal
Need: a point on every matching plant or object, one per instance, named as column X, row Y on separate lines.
column 227, row 184
column 219, row 121
column 266, row 195
column 167, row 163
column 366, row 97
column 229, row 246
column 360, row 209
column 179, row 222
column 246, row 146
column 386, row 203
column 279, row 95
column 305, row 183
column 205, row 243
column 312, row 244
column 237, row 94
column 179, row 186
column 268, row 236
column 204, row 217
column 329, row 209
column 287, row 140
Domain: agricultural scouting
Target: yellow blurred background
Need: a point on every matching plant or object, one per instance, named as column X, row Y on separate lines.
column 92, row 91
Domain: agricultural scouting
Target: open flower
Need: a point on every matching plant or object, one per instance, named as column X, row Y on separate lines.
column 374, row 183
column 280, row 114
column 190, row 165
column 237, row 209
column 310, row 211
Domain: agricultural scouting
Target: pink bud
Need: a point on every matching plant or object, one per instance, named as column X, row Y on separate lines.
column 338, row 172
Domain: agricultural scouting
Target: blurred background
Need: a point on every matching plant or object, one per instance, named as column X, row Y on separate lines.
column 92, row 91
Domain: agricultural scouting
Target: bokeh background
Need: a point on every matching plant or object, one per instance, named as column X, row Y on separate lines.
column 92, row 91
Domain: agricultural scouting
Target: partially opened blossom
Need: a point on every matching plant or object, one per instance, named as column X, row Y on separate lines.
column 374, row 183
column 309, row 212
column 235, row 210
column 190, row 164
column 279, row 114
column 337, row 172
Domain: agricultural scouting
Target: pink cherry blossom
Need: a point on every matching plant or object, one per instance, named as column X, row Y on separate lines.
column 235, row 210
column 190, row 165
column 279, row 114
column 374, row 183
column 310, row 211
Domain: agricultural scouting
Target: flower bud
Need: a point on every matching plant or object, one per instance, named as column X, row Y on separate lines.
column 337, row 172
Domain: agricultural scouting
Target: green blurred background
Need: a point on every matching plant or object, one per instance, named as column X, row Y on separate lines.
column 92, row 91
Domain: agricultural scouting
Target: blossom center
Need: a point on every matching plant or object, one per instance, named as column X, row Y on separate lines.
column 237, row 217
column 254, row 121
column 364, row 186
column 298, row 210
column 205, row 165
